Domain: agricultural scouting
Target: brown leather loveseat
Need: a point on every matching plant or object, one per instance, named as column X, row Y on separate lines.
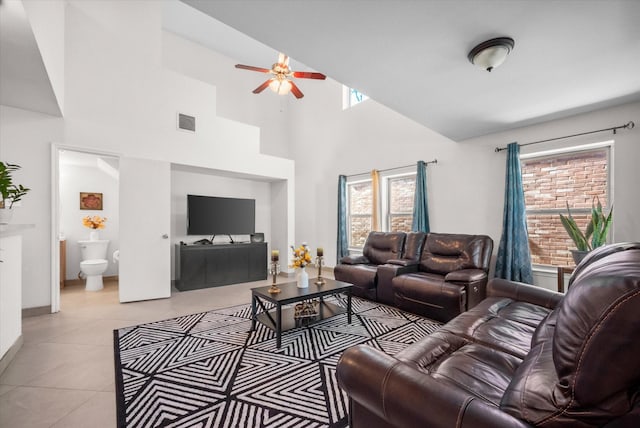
column 437, row 275
column 449, row 277
column 525, row 356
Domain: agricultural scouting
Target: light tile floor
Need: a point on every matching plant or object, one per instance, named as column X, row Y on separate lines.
column 63, row 376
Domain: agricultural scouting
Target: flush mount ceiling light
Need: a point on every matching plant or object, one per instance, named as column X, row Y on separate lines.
column 490, row 54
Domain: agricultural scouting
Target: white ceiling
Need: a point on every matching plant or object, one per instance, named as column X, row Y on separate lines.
column 569, row 57
column 24, row 82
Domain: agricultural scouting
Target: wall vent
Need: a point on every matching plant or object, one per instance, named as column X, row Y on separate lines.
column 186, row 122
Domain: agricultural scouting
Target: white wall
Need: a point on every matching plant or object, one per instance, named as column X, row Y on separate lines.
column 234, row 99
column 187, row 181
column 328, row 141
column 120, row 99
column 47, row 22
column 25, row 140
column 465, row 188
column 73, row 180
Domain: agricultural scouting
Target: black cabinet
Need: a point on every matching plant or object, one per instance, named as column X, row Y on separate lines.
column 202, row 266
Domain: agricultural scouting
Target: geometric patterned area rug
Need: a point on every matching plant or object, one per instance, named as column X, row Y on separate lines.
column 209, row 370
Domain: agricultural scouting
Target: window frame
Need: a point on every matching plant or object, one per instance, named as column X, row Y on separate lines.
column 361, row 179
column 384, row 199
column 385, row 189
column 608, row 147
column 347, row 102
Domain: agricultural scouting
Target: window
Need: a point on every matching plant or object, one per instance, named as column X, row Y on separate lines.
column 360, row 196
column 400, row 202
column 397, row 192
column 356, row 97
column 351, row 97
column 552, row 181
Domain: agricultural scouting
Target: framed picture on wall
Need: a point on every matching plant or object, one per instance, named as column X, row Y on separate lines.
column 90, row 201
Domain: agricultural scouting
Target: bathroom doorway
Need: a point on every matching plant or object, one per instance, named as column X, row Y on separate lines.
column 86, row 225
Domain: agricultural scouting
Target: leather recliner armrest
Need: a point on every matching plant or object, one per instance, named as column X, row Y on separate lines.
column 405, row 397
column 499, row 287
column 466, row 275
column 354, row 260
column 403, row 262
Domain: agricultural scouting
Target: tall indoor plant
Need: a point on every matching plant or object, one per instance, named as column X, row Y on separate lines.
column 10, row 192
column 595, row 234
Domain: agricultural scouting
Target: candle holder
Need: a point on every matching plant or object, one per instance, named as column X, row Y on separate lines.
column 319, row 263
column 274, row 270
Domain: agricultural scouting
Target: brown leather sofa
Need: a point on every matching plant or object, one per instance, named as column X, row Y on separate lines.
column 448, row 278
column 523, row 357
column 361, row 271
column 437, row 275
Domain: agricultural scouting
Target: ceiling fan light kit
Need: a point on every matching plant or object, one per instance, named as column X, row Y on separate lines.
column 490, row 54
column 280, row 86
column 281, row 82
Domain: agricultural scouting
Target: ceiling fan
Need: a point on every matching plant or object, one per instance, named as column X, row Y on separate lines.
column 281, row 82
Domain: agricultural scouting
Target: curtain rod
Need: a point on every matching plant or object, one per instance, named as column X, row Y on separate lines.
column 391, row 169
column 629, row 125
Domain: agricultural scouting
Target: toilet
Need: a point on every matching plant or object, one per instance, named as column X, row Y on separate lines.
column 93, row 262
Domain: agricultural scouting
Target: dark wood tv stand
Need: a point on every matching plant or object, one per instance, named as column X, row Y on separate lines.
column 203, row 266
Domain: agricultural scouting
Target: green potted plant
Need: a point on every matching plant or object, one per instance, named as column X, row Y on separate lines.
column 10, row 192
column 595, row 234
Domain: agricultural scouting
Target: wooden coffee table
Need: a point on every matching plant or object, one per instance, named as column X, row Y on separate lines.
column 281, row 319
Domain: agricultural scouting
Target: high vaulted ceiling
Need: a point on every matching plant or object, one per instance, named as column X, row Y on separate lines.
column 24, row 82
column 569, row 57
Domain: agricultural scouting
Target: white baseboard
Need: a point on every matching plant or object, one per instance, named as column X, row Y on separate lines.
column 11, row 352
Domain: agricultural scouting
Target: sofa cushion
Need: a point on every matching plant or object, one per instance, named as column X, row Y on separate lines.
column 413, row 245
column 600, row 253
column 536, row 396
column 444, row 253
column 354, row 260
column 361, row 276
column 597, row 324
column 383, row 246
column 546, row 329
column 501, row 323
column 479, row 370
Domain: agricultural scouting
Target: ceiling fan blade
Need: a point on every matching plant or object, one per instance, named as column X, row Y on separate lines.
column 252, row 68
column 283, row 59
column 309, row 75
column 262, row 87
column 296, row 91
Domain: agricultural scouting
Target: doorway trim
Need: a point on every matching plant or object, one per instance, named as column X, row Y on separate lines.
column 55, row 213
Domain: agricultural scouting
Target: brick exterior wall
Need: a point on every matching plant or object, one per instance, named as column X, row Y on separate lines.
column 360, row 228
column 401, row 222
column 549, row 183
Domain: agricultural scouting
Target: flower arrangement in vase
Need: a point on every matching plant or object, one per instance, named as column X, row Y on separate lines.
column 94, row 223
column 301, row 258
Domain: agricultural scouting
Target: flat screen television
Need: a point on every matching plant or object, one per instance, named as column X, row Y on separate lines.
column 211, row 215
